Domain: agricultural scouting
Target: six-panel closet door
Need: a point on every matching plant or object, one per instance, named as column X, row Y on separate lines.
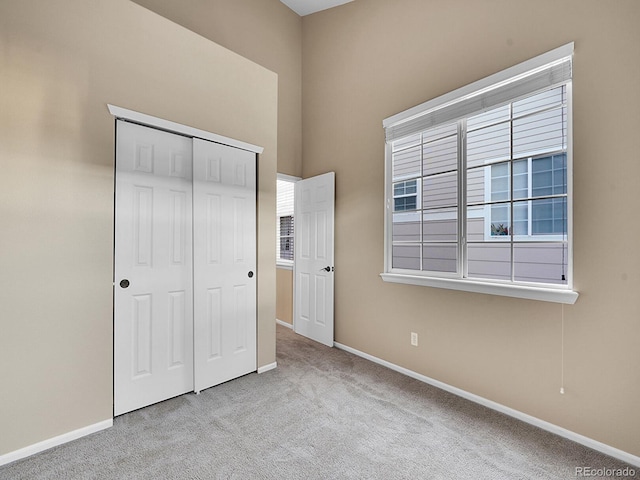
column 224, row 206
column 185, row 289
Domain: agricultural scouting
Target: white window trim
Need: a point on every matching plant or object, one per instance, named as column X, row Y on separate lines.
column 517, row 291
column 282, row 263
column 558, row 294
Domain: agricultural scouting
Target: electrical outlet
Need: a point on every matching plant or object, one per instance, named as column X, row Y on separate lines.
column 414, row 339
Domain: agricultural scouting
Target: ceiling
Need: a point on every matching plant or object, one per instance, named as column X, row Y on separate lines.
column 307, row 7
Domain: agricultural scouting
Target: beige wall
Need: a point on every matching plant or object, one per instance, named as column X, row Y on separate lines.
column 370, row 59
column 264, row 31
column 284, row 295
column 270, row 34
column 60, row 64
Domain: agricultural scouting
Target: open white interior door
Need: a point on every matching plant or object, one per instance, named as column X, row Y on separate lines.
column 313, row 265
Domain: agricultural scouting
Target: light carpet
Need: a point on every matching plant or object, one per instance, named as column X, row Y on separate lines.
column 322, row 414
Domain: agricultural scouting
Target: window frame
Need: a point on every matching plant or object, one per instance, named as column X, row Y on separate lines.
column 534, row 291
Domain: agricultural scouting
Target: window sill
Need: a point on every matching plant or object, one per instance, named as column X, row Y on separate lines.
column 284, row 265
column 568, row 297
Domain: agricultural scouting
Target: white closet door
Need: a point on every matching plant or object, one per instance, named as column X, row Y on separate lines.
column 153, row 267
column 224, row 209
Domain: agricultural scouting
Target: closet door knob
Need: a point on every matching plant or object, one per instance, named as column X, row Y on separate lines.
column 124, row 283
column 250, row 274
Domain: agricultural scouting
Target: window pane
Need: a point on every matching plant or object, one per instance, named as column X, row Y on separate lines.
column 405, row 203
column 285, row 190
column 500, row 182
column 405, row 188
column 477, row 223
column 406, row 164
column 406, row 227
column 489, row 223
column 521, row 218
column 406, row 256
column 406, row 142
column 286, row 238
column 476, row 185
column 549, row 175
column 488, row 144
column 286, row 248
column 441, row 257
column 487, row 118
column 540, row 262
column 539, row 133
column 540, row 101
column 521, row 179
column 440, row 225
column 500, row 220
column 286, row 225
column 440, row 190
column 284, row 197
column 549, row 216
column 489, row 260
column 440, row 132
column 440, row 156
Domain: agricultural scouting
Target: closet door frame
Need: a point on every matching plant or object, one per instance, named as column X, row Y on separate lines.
column 175, row 128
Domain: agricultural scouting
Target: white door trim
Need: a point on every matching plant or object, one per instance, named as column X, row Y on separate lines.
column 151, row 121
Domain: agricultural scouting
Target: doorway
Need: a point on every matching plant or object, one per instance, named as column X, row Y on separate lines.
column 305, row 255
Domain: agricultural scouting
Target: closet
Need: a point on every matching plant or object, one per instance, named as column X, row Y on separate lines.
column 184, row 269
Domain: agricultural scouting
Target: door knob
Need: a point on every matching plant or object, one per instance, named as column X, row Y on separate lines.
column 326, row 269
column 124, row 283
column 250, row 274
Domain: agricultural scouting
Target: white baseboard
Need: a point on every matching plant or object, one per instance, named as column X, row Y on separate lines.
column 283, row 323
column 550, row 427
column 266, row 368
column 54, row 442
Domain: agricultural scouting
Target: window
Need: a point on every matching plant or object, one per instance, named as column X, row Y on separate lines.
column 479, row 185
column 286, row 237
column 285, row 222
column 405, row 195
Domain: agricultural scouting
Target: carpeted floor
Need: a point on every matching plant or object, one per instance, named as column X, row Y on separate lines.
column 322, row 414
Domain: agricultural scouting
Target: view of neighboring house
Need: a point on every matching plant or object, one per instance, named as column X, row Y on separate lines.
column 513, row 160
